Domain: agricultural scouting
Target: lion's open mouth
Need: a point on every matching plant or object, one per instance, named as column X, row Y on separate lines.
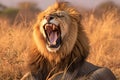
column 53, row 35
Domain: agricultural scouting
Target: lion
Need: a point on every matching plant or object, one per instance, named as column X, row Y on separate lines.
column 61, row 47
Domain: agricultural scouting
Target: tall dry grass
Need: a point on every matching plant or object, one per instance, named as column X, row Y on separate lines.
column 15, row 41
column 103, row 33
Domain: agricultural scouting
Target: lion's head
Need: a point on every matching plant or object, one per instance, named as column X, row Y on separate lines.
column 58, row 33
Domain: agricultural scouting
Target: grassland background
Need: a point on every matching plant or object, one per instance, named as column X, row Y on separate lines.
column 102, row 26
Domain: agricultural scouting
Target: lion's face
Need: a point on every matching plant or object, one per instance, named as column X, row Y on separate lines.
column 54, row 27
column 56, row 31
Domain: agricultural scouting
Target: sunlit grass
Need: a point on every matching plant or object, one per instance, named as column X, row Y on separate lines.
column 14, row 44
column 104, row 36
column 103, row 33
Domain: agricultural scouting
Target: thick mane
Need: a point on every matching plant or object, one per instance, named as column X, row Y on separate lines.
column 80, row 47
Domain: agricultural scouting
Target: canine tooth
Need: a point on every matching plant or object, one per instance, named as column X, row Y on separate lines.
column 45, row 27
column 54, row 43
column 47, row 24
column 54, row 27
column 54, row 22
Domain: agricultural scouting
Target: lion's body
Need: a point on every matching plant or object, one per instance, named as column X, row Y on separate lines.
column 86, row 71
column 67, row 60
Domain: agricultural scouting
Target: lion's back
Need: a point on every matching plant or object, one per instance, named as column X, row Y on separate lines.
column 102, row 74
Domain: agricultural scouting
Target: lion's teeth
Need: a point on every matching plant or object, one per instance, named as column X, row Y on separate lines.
column 54, row 27
column 45, row 27
column 47, row 24
column 54, row 43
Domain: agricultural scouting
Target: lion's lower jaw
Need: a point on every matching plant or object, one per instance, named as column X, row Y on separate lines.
column 53, row 50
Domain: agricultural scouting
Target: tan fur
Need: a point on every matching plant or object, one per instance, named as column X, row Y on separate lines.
column 69, row 59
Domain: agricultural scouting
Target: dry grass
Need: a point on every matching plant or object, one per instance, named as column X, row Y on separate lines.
column 104, row 36
column 103, row 32
column 14, row 44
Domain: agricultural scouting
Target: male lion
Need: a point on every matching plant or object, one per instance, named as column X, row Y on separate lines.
column 61, row 47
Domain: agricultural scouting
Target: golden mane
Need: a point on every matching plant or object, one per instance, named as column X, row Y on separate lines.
column 80, row 46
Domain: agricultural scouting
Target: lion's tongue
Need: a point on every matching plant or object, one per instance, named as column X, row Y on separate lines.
column 53, row 38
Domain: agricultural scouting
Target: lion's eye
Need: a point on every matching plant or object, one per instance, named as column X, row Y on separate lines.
column 60, row 15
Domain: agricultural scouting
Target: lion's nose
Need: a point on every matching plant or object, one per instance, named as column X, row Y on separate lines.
column 49, row 17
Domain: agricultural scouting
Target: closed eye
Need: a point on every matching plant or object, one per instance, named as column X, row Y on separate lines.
column 59, row 15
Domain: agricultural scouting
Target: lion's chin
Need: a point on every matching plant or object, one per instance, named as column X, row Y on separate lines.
column 53, row 50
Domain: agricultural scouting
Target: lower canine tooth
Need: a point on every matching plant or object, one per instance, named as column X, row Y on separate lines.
column 54, row 43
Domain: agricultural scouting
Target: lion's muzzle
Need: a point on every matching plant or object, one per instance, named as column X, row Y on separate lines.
column 53, row 33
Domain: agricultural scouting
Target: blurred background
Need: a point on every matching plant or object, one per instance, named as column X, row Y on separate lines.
column 10, row 8
column 44, row 3
column 100, row 18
